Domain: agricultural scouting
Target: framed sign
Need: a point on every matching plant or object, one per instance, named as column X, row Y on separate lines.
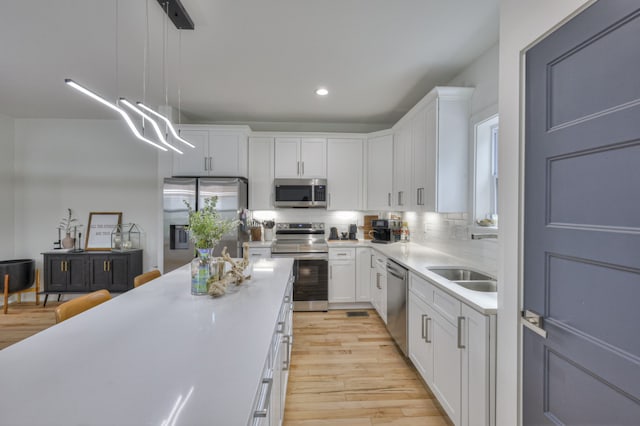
column 101, row 224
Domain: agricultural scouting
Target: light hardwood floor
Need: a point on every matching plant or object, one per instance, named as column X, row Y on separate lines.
column 25, row 319
column 344, row 370
column 347, row 371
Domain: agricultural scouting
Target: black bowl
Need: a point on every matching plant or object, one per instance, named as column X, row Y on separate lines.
column 21, row 273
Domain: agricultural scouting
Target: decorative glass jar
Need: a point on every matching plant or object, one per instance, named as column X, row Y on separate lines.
column 203, row 268
column 125, row 236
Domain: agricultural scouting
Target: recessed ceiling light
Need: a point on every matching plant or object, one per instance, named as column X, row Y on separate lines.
column 322, row 92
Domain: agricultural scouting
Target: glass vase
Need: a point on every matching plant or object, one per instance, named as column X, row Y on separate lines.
column 202, row 268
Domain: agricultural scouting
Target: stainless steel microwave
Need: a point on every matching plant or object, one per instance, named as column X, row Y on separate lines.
column 300, row 192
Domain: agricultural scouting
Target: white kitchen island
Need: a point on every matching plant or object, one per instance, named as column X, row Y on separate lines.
column 155, row 355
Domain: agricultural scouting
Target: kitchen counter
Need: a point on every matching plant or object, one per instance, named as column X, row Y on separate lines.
column 418, row 258
column 154, row 355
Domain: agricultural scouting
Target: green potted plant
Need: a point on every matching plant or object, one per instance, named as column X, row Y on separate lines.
column 68, row 225
column 206, row 229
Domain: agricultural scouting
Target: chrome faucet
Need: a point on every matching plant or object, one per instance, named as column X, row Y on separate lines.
column 483, row 236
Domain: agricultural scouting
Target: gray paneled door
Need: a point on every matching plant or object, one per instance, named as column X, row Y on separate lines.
column 582, row 221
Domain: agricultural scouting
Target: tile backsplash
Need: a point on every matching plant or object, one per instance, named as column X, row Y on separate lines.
column 451, row 233
column 447, row 232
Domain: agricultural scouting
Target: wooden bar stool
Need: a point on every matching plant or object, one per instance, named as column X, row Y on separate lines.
column 146, row 277
column 80, row 304
column 35, row 290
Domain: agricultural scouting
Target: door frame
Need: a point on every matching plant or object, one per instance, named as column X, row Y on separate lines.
column 511, row 200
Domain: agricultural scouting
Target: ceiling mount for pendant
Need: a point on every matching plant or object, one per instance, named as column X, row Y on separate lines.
column 177, row 13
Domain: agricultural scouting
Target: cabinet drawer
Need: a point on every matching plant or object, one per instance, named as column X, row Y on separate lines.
column 342, row 253
column 259, row 252
column 447, row 305
column 421, row 288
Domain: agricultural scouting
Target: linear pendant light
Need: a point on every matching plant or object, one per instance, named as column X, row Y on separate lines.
column 159, row 133
column 116, row 108
column 167, row 122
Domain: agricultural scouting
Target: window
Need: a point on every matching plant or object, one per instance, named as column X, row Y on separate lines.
column 486, row 172
column 494, row 170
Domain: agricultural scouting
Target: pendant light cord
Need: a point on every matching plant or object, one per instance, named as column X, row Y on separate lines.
column 116, row 49
column 165, row 41
column 179, row 78
column 145, row 54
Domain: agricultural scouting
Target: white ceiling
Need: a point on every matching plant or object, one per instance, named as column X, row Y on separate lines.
column 246, row 61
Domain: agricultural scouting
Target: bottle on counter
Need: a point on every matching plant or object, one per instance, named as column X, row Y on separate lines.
column 404, row 233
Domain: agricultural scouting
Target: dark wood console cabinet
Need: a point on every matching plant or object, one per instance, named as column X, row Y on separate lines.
column 66, row 272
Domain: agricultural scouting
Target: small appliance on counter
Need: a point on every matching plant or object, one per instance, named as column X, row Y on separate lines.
column 353, row 229
column 386, row 231
column 333, row 233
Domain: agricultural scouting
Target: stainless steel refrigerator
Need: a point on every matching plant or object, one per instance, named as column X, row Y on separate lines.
column 232, row 201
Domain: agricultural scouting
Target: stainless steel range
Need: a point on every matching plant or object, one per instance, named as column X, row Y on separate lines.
column 306, row 243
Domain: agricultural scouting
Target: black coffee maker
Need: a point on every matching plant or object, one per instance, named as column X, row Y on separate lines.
column 353, row 229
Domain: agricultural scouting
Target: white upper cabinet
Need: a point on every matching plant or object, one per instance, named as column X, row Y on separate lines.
column 420, row 126
column 261, row 173
column 344, row 174
column 300, row 157
column 379, row 172
column 440, row 151
column 219, row 151
column 402, row 159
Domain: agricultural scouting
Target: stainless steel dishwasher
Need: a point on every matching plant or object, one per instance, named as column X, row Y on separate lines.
column 397, row 277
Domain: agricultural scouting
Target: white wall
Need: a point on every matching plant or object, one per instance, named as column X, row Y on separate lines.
column 483, row 75
column 6, row 187
column 85, row 165
column 521, row 23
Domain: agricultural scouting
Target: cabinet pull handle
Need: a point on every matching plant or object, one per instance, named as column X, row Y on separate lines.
column 303, row 168
column 423, row 326
column 371, row 262
column 62, row 266
column 378, row 281
column 104, row 265
column 331, row 272
column 389, row 199
column 427, row 338
column 263, row 401
column 108, row 266
column 460, row 325
column 298, row 172
column 287, row 360
column 329, row 201
column 205, row 164
column 280, row 328
column 210, row 163
column 342, row 254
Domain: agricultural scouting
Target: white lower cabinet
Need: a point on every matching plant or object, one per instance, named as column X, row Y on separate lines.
column 421, row 337
column 379, row 286
column 364, row 263
column 452, row 347
column 256, row 253
column 270, row 399
column 342, row 275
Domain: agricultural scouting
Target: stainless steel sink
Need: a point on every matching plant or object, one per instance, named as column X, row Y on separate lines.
column 488, row 286
column 461, row 274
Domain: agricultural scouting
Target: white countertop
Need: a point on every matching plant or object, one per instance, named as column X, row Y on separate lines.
column 418, row 258
column 152, row 355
